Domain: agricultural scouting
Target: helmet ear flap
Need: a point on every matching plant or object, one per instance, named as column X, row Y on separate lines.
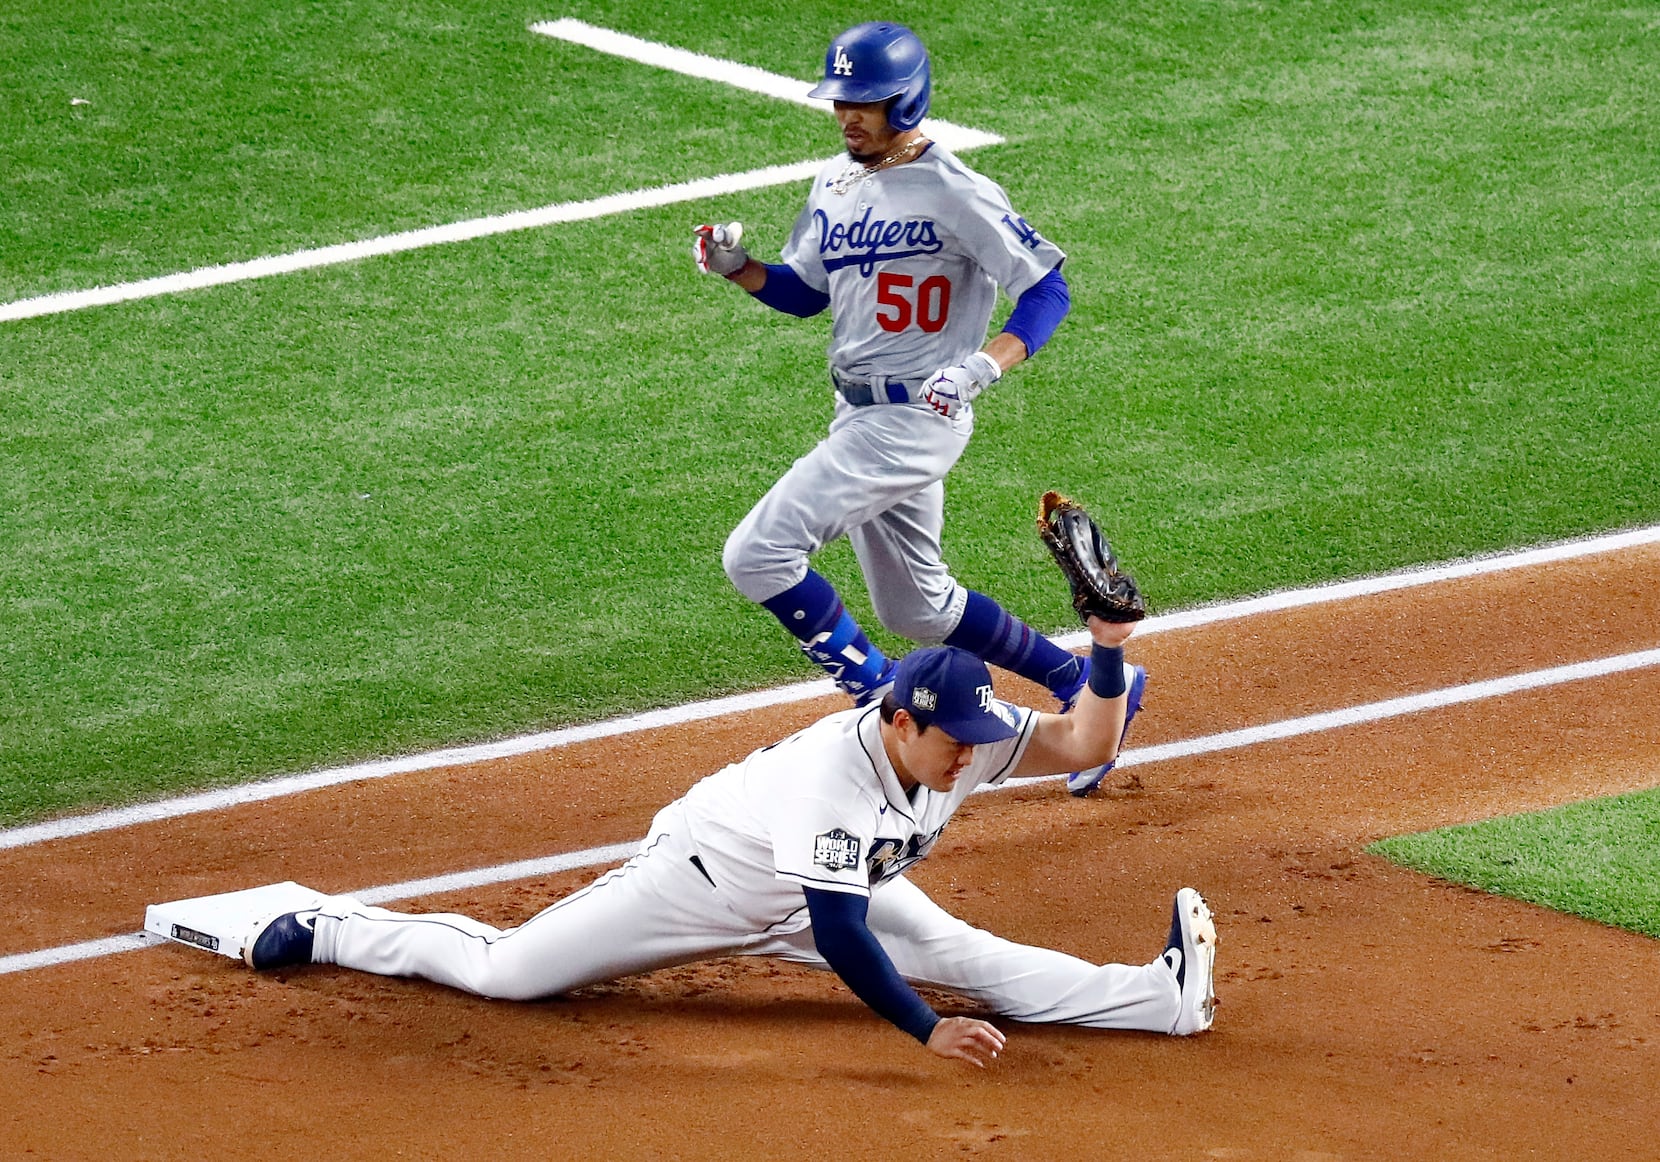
column 906, row 110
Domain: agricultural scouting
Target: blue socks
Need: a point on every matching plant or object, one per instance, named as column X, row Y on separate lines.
column 1000, row 638
column 815, row 615
column 813, row 612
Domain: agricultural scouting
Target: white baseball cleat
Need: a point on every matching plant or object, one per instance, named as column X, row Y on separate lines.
column 1191, row 955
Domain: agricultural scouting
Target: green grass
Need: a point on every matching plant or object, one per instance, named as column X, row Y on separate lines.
column 1353, row 288
column 1599, row 859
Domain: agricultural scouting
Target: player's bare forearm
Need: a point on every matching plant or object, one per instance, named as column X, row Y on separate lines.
column 967, row 1039
column 1091, row 733
column 1006, row 349
column 752, row 276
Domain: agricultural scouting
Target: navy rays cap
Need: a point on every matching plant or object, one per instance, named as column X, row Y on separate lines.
column 951, row 689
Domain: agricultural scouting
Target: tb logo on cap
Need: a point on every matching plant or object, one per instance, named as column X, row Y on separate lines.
column 844, row 64
column 985, row 696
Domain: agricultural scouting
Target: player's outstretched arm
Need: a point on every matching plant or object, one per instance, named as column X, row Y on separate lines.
column 1089, row 735
column 966, row 1039
column 849, row 947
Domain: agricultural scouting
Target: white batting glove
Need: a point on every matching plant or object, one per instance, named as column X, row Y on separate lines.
column 951, row 389
column 719, row 249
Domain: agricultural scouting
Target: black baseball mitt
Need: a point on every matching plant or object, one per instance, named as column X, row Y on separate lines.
column 1099, row 587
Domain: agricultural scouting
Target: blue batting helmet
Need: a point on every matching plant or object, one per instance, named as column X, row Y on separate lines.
column 878, row 62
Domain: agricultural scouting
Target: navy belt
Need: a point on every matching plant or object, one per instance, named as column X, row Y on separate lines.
column 879, row 389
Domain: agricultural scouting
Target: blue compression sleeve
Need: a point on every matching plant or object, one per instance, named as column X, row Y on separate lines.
column 850, row 949
column 785, row 291
column 1039, row 311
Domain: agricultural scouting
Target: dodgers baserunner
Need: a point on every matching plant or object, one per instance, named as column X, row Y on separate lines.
column 799, row 852
column 907, row 247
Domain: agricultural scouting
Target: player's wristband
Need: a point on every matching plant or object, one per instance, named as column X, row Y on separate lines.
column 985, row 370
column 1106, row 671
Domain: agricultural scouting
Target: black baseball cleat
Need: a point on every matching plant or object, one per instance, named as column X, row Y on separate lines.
column 283, row 941
column 1191, row 954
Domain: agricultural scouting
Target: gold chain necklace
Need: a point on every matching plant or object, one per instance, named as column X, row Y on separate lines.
column 858, row 171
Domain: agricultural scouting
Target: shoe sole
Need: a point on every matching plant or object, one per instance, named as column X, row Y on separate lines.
column 1138, row 687
column 1198, row 927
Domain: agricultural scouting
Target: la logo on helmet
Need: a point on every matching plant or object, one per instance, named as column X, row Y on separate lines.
column 844, row 63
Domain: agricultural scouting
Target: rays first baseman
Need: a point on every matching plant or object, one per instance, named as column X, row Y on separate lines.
column 907, row 247
column 800, row 852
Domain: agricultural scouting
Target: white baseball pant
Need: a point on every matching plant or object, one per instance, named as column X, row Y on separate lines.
column 659, row 910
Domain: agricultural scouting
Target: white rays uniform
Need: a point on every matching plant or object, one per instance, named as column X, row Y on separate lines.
column 721, row 874
column 912, row 257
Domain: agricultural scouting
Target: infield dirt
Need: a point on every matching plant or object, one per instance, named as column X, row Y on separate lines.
column 1367, row 1012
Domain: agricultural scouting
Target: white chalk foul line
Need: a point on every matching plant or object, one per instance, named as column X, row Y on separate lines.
column 523, row 869
column 740, row 703
column 1375, row 711
column 69, row 953
column 747, row 77
column 409, row 240
column 956, row 137
column 1389, row 582
column 1230, row 740
column 380, row 769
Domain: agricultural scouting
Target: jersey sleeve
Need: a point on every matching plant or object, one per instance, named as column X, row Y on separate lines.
column 821, row 844
column 801, row 251
column 1001, row 758
column 1003, row 243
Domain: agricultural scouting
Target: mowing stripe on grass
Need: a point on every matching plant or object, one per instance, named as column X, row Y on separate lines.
column 1289, row 728
column 701, row 711
column 955, row 137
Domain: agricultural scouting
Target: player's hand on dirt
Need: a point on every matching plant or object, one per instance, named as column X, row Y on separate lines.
column 950, row 389
column 1110, row 633
column 966, row 1039
column 719, row 249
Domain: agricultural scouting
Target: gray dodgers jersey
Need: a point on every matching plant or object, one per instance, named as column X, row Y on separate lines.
column 912, row 257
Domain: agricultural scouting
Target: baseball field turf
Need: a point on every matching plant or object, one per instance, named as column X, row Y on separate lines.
column 1354, row 287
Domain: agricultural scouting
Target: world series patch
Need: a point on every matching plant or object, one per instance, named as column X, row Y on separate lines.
column 836, row 850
